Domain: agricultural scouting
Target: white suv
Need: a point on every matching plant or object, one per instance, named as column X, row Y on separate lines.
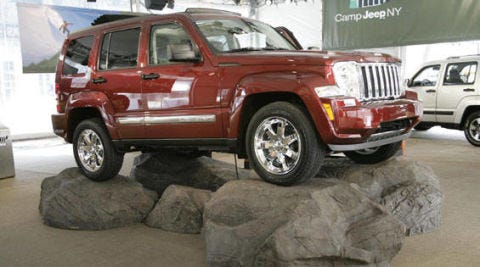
column 450, row 91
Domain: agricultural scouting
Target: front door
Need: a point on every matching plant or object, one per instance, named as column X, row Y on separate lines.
column 425, row 83
column 458, row 82
column 181, row 97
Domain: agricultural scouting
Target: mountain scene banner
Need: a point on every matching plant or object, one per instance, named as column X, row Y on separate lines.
column 355, row 24
column 43, row 29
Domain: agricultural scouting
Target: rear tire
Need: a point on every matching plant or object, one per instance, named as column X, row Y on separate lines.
column 472, row 128
column 94, row 151
column 282, row 145
column 374, row 155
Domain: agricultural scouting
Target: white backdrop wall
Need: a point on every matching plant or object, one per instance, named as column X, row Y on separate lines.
column 304, row 19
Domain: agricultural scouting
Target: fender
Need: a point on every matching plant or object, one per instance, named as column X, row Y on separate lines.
column 97, row 100
column 463, row 105
column 300, row 84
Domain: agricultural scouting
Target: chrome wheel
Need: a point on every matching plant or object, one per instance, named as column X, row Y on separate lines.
column 474, row 129
column 90, row 150
column 277, row 145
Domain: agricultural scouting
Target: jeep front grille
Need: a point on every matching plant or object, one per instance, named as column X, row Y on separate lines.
column 380, row 81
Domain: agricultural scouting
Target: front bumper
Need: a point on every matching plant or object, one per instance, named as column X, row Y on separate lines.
column 371, row 124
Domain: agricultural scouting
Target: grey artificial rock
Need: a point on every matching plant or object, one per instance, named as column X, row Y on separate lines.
column 157, row 171
column 407, row 189
column 69, row 200
column 180, row 210
column 324, row 222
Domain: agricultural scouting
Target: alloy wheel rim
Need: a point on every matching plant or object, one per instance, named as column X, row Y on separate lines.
column 474, row 129
column 90, row 150
column 277, row 145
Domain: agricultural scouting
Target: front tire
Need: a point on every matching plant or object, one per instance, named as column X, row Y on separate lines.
column 374, row 155
column 282, row 145
column 472, row 128
column 94, row 151
column 423, row 127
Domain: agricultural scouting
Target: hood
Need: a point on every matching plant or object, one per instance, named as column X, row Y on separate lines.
column 302, row 57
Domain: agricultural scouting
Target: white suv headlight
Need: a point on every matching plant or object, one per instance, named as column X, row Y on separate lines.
column 347, row 77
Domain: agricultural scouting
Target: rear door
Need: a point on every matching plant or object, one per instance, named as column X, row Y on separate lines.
column 425, row 83
column 181, row 98
column 117, row 75
column 75, row 71
column 459, row 82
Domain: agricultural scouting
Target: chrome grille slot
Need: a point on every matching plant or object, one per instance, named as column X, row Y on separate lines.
column 379, row 81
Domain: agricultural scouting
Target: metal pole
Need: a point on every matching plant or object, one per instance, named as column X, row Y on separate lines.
column 137, row 6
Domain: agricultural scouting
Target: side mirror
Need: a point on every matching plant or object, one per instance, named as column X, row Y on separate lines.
column 182, row 53
column 408, row 83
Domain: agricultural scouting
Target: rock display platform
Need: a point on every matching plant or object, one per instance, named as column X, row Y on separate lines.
column 157, row 171
column 71, row 201
column 350, row 215
column 408, row 190
column 319, row 223
column 180, row 210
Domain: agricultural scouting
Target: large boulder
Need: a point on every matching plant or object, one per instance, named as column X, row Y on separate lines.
column 324, row 222
column 407, row 189
column 157, row 171
column 180, row 210
column 72, row 201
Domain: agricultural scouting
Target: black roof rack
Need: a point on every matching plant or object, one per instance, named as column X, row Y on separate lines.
column 114, row 17
column 456, row 57
column 210, row 11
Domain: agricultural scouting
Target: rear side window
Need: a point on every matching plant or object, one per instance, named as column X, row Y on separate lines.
column 76, row 58
column 119, row 50
column 460, row 73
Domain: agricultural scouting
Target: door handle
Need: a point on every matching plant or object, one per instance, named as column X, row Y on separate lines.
column 469, row 90
column 431, row 91
column 150, row 76
column 99, row 80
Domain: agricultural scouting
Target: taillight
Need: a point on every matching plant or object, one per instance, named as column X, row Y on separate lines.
column 57, row 88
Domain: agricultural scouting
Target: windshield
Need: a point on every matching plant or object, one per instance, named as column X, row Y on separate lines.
column 236, row 35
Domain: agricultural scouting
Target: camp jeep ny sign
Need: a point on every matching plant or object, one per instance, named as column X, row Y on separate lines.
column 354, row 24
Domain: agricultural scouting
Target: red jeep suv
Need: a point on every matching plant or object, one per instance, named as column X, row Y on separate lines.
column 210, row 80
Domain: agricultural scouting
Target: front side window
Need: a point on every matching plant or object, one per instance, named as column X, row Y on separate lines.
column 460, row 73
column 236, row 35
column 119, row 50
column 428, row 76
column 168, row 39
column 76, row 58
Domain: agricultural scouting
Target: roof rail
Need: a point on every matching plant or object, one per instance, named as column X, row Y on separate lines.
column 457, row 57
column 211, row 11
